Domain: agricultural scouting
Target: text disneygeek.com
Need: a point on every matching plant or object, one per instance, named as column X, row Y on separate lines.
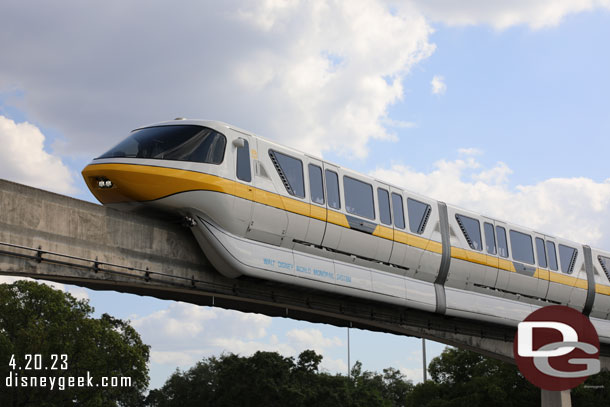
column 23, row 376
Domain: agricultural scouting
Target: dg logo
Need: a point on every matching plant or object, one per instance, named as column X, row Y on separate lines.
column 556, row 348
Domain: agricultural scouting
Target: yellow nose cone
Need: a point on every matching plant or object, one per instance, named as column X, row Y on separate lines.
column 141, row 183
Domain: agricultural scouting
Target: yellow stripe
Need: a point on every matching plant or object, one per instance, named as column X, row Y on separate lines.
column 318, row 213
column 337, row 218
column 147, row 183
column 602, row 289
column 384, row 232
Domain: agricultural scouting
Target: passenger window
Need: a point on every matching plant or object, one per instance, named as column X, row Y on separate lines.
column 358, row 197
column 399, row 215
column 471, row 229
column 332, row 189
column 290, row 171
column 550, row 249
column 244, row 172
column 605, row 262
column 502, row 243
column 419, row 213
column 567, row 258
column 541, row 252
column 490, row 238
column 521, row 246
column 316, row 188
column 384, row 206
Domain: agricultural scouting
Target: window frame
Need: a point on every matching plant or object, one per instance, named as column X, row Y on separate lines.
column 389, row 206
column 309, row 166
column 336, row 174
column 402, row 210
column 493, row 235
column 423, row 221
column 465, row 232
column 571, row 263
column 283, row 176
column 519, row 233
column 555, row 260
column 505, row 239
column 372, row 197
column 546, row 260
column 245, row 148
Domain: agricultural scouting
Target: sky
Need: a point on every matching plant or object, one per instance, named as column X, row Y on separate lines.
column 499, row 107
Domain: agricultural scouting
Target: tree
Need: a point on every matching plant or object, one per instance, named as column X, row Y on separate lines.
column 269, row 379
column 39, row 324
column 465, row 378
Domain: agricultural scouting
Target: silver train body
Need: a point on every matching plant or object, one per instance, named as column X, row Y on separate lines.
column 264, row 210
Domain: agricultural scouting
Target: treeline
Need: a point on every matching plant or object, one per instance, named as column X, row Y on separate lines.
column 459, row 378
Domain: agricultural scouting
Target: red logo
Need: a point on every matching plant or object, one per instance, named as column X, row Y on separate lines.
column 556, row 348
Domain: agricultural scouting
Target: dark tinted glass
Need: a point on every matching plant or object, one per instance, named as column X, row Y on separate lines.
column 502, row 244
column 490, row 238
column 471, row 229
column 521, row 246
column 179, row 143
column 567, row 258
column 290, row 170
column 419, row 213
column 244, row 172
column 541, row 252
column 399, row 215
column 384, row 206
column 315, row 184
column 332, row 189
column 605, row 262
column 550, row 248
column 358, row 197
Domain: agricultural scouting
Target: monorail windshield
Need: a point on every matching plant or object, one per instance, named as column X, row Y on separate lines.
column 180, row 143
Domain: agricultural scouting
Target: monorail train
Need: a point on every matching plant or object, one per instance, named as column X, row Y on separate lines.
column 260, row 209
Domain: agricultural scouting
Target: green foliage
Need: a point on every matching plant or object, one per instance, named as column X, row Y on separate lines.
column 269, row 379
column 594, row 392
column 38, row 320
column 468, row 379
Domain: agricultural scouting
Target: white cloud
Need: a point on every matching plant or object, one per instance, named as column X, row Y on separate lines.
column 413, row 374
column 318, row 75
column 183, row 334
column 23, row 158
column 573, row 208
column 470, row 151
column 502, row 14
column 438, row 85
column 312, row 339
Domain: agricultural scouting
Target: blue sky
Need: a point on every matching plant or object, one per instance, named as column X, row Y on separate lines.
column 519, row 129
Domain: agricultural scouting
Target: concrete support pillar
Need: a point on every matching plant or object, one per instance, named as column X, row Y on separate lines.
column 555, row 398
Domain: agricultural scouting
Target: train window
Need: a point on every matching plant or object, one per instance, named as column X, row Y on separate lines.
column 179, row 143
column 541, row 252
column 316, row 189
column 243, row 162
column 490, row 238
column 399, row 215
column 332, row 189
column 384, row 206
column 502, row 243
column 521, row 246
column 605, row 262
column 358, row 197
column 567, row 258
column 552, row 254
column 419, row 213
column 471, row 229
column 290, row 170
